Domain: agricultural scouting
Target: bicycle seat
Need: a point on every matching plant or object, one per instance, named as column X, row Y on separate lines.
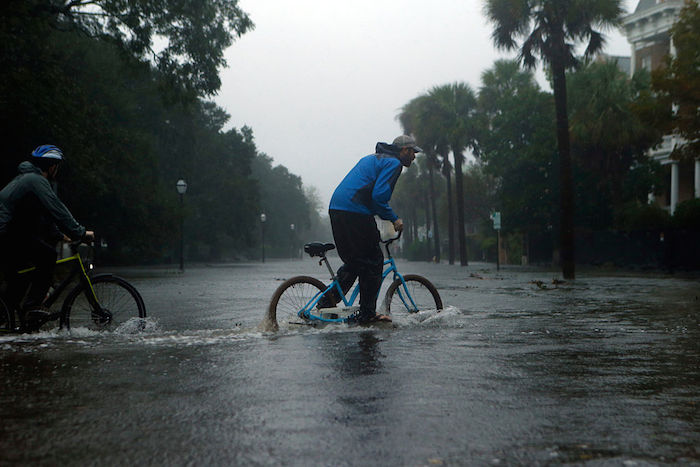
column 318, row 248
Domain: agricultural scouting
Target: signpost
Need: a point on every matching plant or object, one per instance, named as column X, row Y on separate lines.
column 496, row 218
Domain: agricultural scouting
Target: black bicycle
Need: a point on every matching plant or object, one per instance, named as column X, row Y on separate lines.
column 97, row 302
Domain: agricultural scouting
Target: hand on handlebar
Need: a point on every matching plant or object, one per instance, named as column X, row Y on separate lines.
column 88, row 237
column 398, row 225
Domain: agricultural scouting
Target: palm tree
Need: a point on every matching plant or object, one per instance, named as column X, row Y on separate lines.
column 447, row 172
column 414, row 120
column 453, row 108
column 551, row 29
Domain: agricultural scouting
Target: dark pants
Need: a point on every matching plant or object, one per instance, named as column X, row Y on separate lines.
column 357, row 240
column 23, row 251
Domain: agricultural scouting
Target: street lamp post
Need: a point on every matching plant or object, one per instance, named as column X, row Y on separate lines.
column 181, row 186
column 263, row 218
column 291, row 227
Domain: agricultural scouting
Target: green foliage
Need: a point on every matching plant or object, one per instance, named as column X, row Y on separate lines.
column 644, row 177
column 636, row 216
column 679, row 82
column 518, row 146
column 551, row 29
column 687, row 215
column 83, row 82
column 479, row 190
column 195, row 33
column 418, row 250
column 284, row 202
column 608, row 132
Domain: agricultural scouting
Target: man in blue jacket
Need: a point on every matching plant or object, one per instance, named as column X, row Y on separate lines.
column 365, row 192
column 32, row 221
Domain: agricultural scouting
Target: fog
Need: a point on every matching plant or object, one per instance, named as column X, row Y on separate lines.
column 320, row 82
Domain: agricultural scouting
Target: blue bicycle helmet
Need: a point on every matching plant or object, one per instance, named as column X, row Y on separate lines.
column 48, row 151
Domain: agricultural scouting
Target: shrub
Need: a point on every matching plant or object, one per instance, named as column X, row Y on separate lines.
column 642, row 217
column 687, row 215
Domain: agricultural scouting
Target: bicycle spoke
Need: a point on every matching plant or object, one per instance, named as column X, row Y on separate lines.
column 414, row 294
column 118, row 302
column 292, row 296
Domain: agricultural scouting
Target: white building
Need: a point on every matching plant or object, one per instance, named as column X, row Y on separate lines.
column 648, row 31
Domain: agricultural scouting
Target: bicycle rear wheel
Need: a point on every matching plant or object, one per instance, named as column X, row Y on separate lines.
column 119, row 302
column 418, row 295
column 7, row 318
column 291, row 297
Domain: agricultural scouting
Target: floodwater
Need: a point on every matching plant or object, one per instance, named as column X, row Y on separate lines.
column 604, row 370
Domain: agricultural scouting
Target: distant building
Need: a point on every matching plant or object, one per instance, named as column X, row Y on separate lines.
column 648, row 32
column 623, row 63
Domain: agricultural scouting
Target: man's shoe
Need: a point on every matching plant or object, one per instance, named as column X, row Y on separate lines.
column 365, row 318
column 355, row 318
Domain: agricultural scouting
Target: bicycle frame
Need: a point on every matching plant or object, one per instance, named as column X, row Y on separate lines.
column 306, row 311
column 78, row 270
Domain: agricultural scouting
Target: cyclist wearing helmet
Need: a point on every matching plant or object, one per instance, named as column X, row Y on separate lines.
column 32, row 221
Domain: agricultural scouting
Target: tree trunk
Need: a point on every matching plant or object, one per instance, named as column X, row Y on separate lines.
column 414, row 224
column 566, row 186
column 436, row 235
column 450, row 218
column 459, row 195
column 426, row 208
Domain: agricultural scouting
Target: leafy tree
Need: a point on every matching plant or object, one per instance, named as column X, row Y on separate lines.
column 70, row 83
column 284, row 202
column 679, row 82
column 550, row 29
column 517, row 142
column 478, row 193
column 196, row 33
column 609, row 134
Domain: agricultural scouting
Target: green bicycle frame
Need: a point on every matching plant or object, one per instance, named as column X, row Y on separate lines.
column 76, row 271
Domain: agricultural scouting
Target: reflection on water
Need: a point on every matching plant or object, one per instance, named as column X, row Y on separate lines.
column 603, row 370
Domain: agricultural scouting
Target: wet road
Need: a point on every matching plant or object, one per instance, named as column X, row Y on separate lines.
column 601, row 371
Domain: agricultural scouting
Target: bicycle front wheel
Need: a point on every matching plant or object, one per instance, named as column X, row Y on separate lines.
column 292, row 296
column 118, row 301
column 418, row 294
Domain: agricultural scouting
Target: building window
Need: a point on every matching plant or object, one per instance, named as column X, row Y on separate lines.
column 646, row 63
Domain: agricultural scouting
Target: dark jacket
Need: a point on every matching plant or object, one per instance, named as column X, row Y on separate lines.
column 368, row 187
column 28, row 205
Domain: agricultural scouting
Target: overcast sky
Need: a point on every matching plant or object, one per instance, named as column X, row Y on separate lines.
column 321, row 81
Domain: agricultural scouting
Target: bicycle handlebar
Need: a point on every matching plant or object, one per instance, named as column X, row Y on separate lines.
column 74, row 244
column 391, row 240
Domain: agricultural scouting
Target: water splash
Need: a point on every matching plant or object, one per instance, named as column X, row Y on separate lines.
column 138, row 326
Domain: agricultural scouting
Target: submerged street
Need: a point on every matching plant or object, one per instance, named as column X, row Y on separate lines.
column 517, row 370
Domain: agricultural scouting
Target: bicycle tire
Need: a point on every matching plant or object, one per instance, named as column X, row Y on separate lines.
column 291, row 296
column 423, row 292
column 116, row 296
column 7, row 318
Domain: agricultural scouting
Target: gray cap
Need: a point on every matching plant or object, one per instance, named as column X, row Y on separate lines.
column 406, row 141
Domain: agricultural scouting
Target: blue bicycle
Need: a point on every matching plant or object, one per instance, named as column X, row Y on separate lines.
column 296, row 300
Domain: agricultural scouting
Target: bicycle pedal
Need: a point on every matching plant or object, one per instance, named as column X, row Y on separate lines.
column 338, row 312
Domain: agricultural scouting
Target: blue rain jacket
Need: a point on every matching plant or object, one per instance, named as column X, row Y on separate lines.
column 367, row 188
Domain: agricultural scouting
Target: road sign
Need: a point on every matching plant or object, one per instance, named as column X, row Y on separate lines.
column 496, row 218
